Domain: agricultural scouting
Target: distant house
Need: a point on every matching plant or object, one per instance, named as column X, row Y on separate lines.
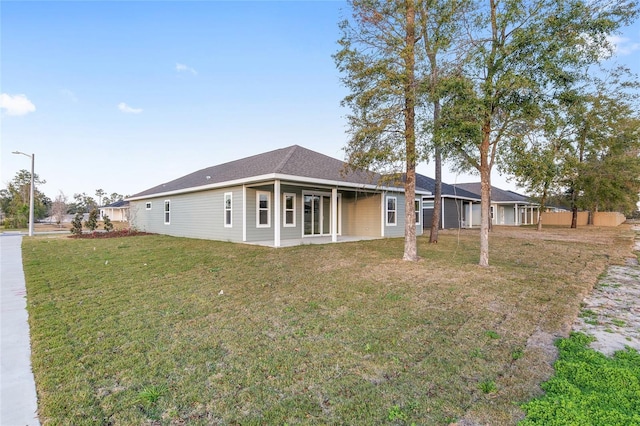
column 459, row 208
column 507, row 207
column 117, row 212
column 287, row 196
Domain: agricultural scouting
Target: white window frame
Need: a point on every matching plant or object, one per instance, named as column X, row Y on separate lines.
column 418, row 209
column 387, row 210
column 148, row 205
column 228, row 210
column 167, row 212
column 285, row 209
column 258, row 209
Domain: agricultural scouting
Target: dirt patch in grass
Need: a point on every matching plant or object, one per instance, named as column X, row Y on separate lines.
column 611, row 313
column 323, row 334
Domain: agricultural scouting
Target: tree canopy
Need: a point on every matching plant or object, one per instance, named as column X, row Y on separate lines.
column 14, row 200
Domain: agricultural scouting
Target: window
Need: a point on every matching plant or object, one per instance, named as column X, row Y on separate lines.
column 428, row 204
column 418, row 211
column 263, row 209
column 167, row 212
column 289, row 209
column 148, row 206
column 228, row 196
column 391, row 210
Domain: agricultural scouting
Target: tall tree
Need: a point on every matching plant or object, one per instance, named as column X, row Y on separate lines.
column 439, row 24
column 100, row 197
column 605, row 154
column 14, row 199
column 378, row 58
column 520, row 53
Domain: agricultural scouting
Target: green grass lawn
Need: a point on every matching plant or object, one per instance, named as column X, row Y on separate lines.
column 163, row 330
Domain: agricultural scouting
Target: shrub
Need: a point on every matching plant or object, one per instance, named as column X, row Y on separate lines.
column 76, row 224
column 92, row 222
column 108, row 226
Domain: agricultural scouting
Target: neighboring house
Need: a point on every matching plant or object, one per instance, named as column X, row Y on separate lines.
column 283, row 197
column 507, row 207
column 117, row 212
column 459, row 208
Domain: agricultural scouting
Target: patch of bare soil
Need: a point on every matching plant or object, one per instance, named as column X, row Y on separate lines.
column 611, row 313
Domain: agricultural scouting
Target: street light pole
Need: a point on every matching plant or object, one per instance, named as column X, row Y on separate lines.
column 33, row 157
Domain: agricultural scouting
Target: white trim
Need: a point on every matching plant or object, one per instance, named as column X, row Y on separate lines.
column 277, row 176
column 387, row 210
column 383, row 214
column 147, row 205
column 418, row 211
column 268, row 209
column 244, row 213
column 229, row 210
column 285, row 209
column 167, row 212
column 334, row 215
column 276, row 213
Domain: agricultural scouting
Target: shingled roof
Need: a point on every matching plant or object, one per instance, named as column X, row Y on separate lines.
column 429, row 184
column 294, row 161
column 497, row 195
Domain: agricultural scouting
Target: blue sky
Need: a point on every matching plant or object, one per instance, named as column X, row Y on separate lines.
column 126, row 95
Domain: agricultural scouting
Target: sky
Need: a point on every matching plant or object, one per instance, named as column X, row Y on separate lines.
column 125, row 95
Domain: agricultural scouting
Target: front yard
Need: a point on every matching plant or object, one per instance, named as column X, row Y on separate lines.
column 162, row 330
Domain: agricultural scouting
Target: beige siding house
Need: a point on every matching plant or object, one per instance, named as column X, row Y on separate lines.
column 283, row 197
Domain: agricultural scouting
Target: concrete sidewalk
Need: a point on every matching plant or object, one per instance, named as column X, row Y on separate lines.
column 18, row 403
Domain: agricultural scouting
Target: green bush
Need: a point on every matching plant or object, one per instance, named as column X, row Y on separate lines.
column 108, row 226
column 92, row 221
column 589, row 388
column 76, row 224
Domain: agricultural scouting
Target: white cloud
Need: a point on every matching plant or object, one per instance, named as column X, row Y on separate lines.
column 622, row 45
column 185, row 68
column 16, row 104
column 127, row 109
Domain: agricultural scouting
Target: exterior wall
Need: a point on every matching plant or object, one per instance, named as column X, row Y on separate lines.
column 504, row 214
column 194, row 215
column 456, row 214
column 361, row 214
column 453, row 213
column 396, row 230
column 253, row 232
column 116, row 214
column 291, row 232
column 201, row 214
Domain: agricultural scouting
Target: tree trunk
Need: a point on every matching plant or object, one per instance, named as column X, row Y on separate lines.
column 437, row 198
column 485, row 215
column 410, row 244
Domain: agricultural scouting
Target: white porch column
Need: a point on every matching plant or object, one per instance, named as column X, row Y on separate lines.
column 470, row 222
column 517, row 218
column 276, row 213
column 334, row 215
column 244, row 213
